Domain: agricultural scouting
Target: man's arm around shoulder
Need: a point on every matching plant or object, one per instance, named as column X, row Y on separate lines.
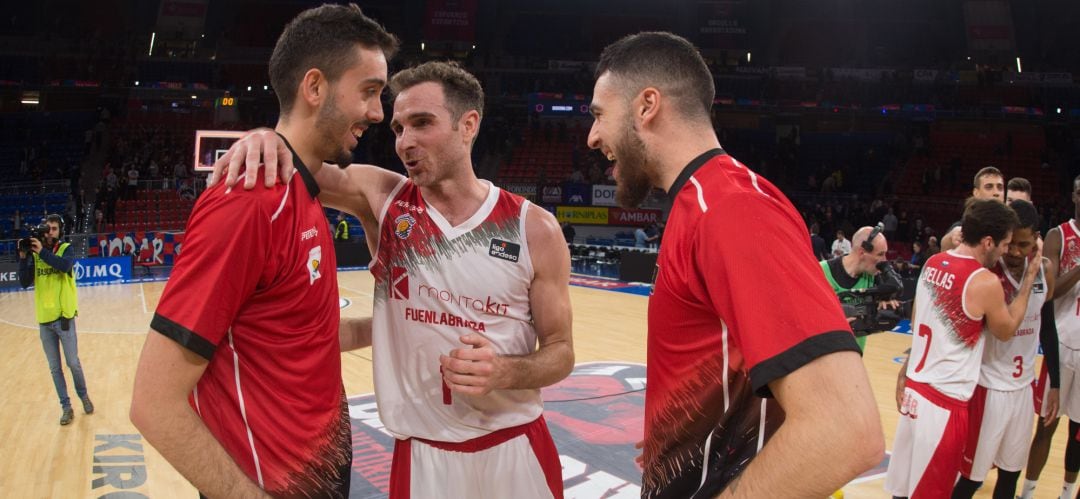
column 830, row 411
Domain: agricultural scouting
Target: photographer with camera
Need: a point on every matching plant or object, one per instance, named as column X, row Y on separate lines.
column 45, row 262
column 864, row 281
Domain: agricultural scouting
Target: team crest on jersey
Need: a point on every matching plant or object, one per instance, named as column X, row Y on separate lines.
column 1071, row 248
column 403, row 225
column 314, row 258
column 505, row 250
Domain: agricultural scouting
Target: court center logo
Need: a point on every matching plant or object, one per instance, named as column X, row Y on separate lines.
column 595, row 417
column 403, row 225
column 314, row 257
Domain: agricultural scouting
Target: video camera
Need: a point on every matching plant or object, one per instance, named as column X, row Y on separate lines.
column 862, row 304
column 38, row 233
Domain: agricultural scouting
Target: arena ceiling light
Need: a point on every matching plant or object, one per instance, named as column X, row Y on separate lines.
column 1018, row 68
column 30, row 98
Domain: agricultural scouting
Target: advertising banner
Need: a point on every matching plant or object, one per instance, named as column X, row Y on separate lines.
column 99, row 270
column 551, row 194
column 526, row 190
column 9, row 275
column 603, row 195
column 149, row 248
column 582, row 215
column 450, row 20
column 633, row 217
column 577, row 194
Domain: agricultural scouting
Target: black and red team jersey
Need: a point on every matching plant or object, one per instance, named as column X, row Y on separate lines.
column 739, row 301
column 255, row 293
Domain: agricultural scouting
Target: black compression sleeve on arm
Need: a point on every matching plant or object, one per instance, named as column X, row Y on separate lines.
column 1049, row 338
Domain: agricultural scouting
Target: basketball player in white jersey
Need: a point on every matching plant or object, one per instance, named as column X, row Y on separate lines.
column 956, row 300
column 468, row 279
column 1063, row 250
column 988, row 183
column 999, row 427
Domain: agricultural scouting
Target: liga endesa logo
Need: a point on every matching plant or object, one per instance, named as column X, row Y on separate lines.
column 595, row 416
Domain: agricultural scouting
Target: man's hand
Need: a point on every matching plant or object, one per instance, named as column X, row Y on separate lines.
column 901, row 381
column 246, row 152
column 35, row 245
column 1053, row 404
column 1033, row 270
column 472, row 371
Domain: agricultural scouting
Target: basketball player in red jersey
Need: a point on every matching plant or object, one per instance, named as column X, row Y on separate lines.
column 1063, row 250
column 469, row 278
column 239, row 383
column 955, row 301
column 746, row 386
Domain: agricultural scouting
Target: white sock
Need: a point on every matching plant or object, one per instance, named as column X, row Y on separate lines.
column 1029, row 489
column 1067, row 490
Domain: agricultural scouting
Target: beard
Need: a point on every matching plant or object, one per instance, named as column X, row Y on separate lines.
column 329, row 125
column 632, row 184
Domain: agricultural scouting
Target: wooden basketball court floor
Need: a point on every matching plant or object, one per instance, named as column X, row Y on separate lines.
column 41, row 459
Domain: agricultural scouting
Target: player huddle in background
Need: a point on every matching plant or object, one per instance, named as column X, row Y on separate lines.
column 982, row 310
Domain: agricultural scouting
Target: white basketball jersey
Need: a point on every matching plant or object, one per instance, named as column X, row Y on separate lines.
column 1067, row 307
column 435, row 283
column 947, row 342
column 1010, row 365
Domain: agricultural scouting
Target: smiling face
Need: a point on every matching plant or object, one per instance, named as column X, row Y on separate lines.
column 613, row 132
column 429, row 141
column 351, row 106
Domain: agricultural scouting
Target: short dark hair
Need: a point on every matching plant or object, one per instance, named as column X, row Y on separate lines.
column 1026, row 214
column 986, row 217
column 1019, row 184
column 55, row 218
column 989, row 170
column 323, row 38
column 461, row 89
column 663, row 60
